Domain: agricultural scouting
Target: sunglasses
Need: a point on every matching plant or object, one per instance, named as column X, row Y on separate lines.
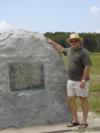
column 74, row 41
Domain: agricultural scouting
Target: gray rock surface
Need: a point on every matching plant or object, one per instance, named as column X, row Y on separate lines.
column 32, row 81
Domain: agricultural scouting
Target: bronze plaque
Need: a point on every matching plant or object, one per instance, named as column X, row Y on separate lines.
column 25, row 76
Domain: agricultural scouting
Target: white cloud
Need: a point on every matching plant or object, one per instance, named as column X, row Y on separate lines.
column 98, row 31
column 95, row 10
column 4, row 25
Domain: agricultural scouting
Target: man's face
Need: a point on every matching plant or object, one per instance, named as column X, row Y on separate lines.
column 75, row 43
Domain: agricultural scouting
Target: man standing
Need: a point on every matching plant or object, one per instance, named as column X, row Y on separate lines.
column 78, row 77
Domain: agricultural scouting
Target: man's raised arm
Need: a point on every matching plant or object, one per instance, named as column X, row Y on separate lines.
column 57, row 46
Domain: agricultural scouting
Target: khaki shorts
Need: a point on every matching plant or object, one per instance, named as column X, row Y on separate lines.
column 73, row 89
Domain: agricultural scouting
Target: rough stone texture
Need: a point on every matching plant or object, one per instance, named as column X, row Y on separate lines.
column 24, row 101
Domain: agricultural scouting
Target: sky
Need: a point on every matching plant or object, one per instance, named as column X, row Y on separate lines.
column 50, row 15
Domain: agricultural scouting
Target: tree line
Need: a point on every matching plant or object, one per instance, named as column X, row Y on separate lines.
column 91, row 41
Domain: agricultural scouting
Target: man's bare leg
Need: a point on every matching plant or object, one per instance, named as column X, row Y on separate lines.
column 73, row 108
column 84, row 102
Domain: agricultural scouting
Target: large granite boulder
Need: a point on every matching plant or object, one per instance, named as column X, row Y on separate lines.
column 32, row 81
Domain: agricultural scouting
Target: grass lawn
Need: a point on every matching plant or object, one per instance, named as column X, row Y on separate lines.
column 94, row 97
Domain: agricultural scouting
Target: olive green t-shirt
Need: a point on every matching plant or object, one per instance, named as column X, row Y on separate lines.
column 77, row 59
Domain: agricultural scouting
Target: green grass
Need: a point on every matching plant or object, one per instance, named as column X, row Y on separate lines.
column 94, row 102
column 95, row 73
column 94, row 97
column 95, row 64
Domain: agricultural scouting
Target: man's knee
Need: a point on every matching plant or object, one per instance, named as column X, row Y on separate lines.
column 84, row 99
column 71, row 98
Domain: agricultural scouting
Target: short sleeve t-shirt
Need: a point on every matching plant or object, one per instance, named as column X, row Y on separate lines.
column 77, row 59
